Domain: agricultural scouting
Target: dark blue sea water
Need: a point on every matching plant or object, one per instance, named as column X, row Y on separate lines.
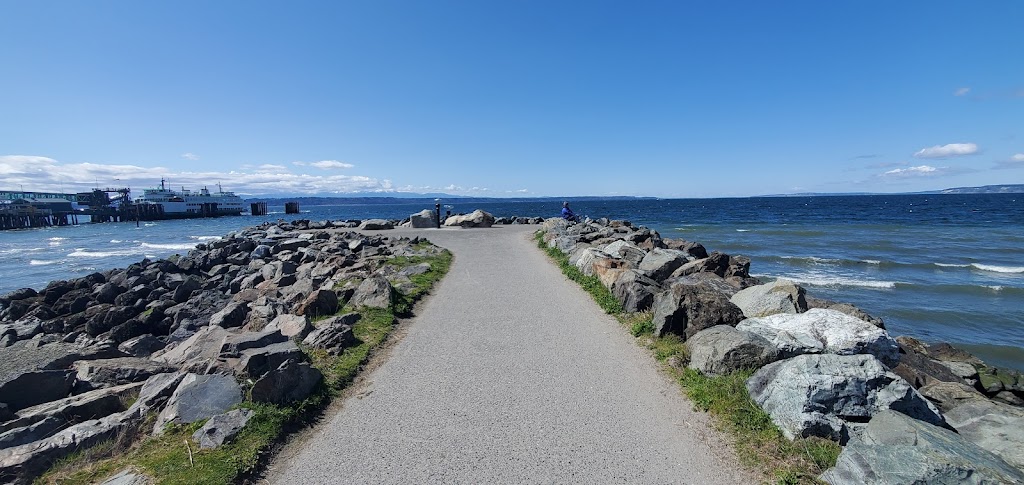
column 936, row 267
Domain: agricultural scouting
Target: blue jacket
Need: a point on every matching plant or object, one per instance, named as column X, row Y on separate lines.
column 567, row 213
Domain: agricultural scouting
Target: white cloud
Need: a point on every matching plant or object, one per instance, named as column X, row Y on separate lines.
column 945, row 151
column 1019, row 157
column 330, row 164
column 190, row 156
column 961, row 92
column 48, row 175
column 919, row 171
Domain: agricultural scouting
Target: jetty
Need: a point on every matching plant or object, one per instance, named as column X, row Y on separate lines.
column 512, row 374
column 506, row 370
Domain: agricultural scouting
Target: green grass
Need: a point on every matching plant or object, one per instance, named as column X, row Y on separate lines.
column 759, row 443
column 592, row 284
column 166, row 457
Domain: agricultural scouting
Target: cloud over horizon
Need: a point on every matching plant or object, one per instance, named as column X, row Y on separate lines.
column 44, row 174
column 946, row 151
column 918, row 171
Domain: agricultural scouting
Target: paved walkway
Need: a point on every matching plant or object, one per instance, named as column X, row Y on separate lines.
column 511, row 374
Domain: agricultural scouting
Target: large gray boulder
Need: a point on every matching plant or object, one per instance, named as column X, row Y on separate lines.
column 291, row 326
column 634, row 290
column 895, row 448
column 779, row 296
column 199, row 397
column 38, row 422
column 627, row 251
column 21, row 463
column 100, row 373
column 234, row 344
column 994, row 426
column 254, row 362
column 659, row 264
column 477, row 218
column 846, row 308
column 685, row 309
column 34, row 372
column 423, row 219
column 289, row 382
column 827, row 395
column 318, row 303
column 333, row 334
column 375, row 292
column 583, row 259
column 949, row 395
column 197, row 352
column 722, row 349
column 824, row 331
column 232, row 315
column 222, row 428
column 376, row 225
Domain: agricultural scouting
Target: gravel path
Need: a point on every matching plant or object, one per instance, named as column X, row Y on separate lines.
column 511, row 374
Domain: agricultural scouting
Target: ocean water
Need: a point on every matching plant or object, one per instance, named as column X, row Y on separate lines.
column 941, row 268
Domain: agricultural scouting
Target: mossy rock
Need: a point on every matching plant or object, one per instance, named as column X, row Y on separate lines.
column 993, row 380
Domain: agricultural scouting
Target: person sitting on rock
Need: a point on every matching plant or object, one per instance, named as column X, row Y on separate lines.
column 568, row 214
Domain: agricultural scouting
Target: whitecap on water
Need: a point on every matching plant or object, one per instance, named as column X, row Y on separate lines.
column 834, row 281
column 85, row 253
column 184, row 246
column 41, row 262
column 950, row 265
column 204, row 238
column 999, row 269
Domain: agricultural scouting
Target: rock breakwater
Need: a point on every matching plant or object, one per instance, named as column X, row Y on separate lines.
column 192, row 336
column 823, row 368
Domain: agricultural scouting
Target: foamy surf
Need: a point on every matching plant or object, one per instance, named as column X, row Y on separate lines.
column 41, row 262
column 205, row 238
column 185, row 246
column 999, row 269
column 836, row 281
column 85, row 253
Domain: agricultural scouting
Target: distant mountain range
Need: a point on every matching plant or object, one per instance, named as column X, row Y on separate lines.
column 985, row 189
column 370, row 198
column 411, row 198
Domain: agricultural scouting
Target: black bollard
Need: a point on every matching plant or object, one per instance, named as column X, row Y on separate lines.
column 437, row 210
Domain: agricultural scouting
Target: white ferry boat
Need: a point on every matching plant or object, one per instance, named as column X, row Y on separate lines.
column 185, row 203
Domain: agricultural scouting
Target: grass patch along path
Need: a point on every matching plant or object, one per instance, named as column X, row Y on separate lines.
column 511, row 373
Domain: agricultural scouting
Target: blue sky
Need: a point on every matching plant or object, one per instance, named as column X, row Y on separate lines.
column 522, row 98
